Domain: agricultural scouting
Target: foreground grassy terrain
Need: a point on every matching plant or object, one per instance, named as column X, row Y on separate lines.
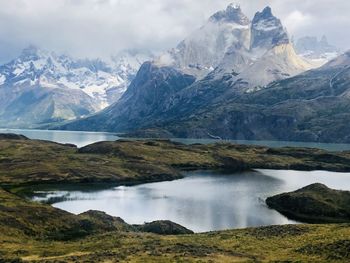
column 40, row 233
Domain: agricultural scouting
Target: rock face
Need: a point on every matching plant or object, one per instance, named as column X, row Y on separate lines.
column 267, row 31
column 315, row 203
column 42, row 87
column 233, row 13
column 204, row 49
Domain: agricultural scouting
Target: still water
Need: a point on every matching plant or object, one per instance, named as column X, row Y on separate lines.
column 202, row 201
column 78, row 138
column 84, row 138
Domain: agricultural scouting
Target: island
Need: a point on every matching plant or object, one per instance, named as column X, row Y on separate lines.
column 315, row 203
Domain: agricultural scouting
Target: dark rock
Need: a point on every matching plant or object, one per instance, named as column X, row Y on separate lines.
column 164, row 227
column 267, row 30
column 233, row 13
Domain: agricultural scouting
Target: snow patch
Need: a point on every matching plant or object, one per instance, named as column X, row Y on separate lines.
column 2, row 79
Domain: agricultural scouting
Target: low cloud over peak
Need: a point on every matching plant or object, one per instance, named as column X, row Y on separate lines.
column 99, row 28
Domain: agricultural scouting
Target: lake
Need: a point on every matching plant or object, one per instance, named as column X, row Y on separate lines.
column 84, row 138
column 202, row 201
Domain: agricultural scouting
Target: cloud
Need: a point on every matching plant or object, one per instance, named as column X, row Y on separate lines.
column 98, row 28
column 296, row 20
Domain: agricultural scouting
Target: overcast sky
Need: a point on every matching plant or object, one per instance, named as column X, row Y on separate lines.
column 98, row 28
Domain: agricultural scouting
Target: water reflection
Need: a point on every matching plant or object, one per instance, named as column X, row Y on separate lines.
column 84, row 138
column 202, row 201
column 74, row 137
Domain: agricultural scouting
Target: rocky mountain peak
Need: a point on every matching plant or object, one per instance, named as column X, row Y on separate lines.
column 267, row 30
column 266, row 13
column 233, row 13
column 30, row 53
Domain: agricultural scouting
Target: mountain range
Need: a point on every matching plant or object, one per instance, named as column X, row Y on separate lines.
column 41, row 87
column 232, row 78
column 168, row 94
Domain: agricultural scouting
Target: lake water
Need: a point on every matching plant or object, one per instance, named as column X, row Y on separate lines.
column 84, row 138
column 78, row 138
column 202, row 201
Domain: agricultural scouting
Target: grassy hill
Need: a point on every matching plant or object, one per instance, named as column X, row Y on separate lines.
column 314, row 203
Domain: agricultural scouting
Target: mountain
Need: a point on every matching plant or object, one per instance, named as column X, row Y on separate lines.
column 319, row 51
column 256, row 54
column 204, row 49
column 312, row 106
column 267, row 31
column 270, row 56
column 141, row 102
column 41, row 87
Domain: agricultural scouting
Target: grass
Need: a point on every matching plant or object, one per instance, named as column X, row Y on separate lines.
column 40, row 233
column 31, row 162
column 302, row 243
column 314, row 203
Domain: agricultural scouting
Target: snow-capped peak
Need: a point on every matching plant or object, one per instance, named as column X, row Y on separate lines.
column 234, row 6
column 233, row 13
column 104, row 82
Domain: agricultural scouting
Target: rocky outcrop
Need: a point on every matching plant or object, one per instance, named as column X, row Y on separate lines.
column 315, row 203
column 104, row 222
column 164, row 227
column 267, row 31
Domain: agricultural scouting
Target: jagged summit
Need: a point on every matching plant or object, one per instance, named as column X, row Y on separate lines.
column 267, row 30
column 233, row 13
column 264, row 14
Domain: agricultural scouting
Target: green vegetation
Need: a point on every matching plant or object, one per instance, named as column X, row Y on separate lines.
column 26, row 162
column 315, row 203
column 40, row 233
